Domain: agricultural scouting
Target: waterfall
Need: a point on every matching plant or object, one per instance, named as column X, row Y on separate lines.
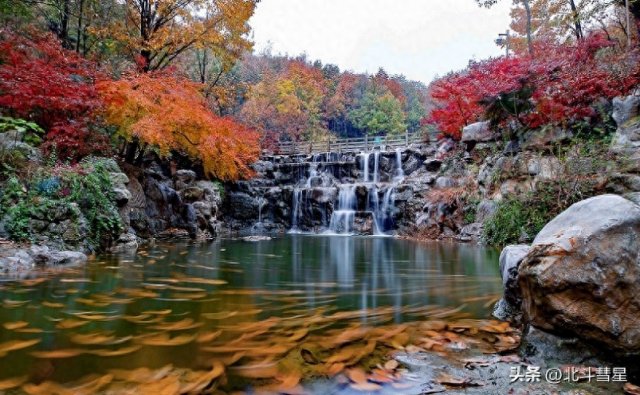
column 376, row 166
column 365, row 166
column 342, row 218
column 296, row 208
column 313, row 173
column 399, row 173
column 382, row 213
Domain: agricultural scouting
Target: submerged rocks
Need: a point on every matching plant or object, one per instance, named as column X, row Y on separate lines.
column 582, row 275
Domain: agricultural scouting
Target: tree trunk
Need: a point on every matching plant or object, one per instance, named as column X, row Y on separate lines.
column 64, row 24
column 527, row 8
column 79, row 27
column 575, row 16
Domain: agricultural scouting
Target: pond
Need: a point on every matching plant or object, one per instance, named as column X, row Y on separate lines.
column 247, row 304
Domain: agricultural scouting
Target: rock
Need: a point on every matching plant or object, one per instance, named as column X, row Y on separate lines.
column 10, row 137
column 514, row 187
column 444, row 147
column 582, row 275
column 625, row 108
column 512, row 148
column 433, row 164
column 241, row 205
column 445, row 182
column 470, row 232
column 126, row 242
column 626, row 140
column 118, row 178
column 211, row 191
column 121, row 196
column 256, row 238
column 538, row 140
column 478, row 132
column 633, row 196
column 184, row 178
column 192, row 193
column 485, row 210
column 44, row 256
column 204, row 208
column 510, row 258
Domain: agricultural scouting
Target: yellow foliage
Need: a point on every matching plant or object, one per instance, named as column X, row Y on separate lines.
column 170, row 114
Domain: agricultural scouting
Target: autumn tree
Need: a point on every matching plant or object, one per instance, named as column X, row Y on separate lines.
column 169, row 114
column 54, row 87
column 289, row 104
column 560, row 88
column 158, row 31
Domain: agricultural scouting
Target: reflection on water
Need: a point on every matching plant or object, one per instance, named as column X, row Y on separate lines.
column 171, row 303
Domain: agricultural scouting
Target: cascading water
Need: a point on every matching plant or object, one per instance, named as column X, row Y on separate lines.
column 342, row 218
column 376, row 166
column 377, row 176
column 399, row 173
column 365, row 166
column 296, row 208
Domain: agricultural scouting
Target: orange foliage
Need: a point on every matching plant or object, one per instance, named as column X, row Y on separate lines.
column 170, row 114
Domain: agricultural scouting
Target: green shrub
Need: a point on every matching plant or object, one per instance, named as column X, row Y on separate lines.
column 585, row 168
column 32, row 132
column 84, row 189
column 515, row 220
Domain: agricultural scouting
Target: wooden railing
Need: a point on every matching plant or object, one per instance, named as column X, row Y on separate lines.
column 356, row 144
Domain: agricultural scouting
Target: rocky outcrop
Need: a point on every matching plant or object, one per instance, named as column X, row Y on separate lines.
column 582, row 275
column 18, row 261
column 626, row 140
column 159, row 202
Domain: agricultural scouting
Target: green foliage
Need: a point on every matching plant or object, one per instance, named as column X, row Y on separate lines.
column 62, row 192
column 32, row 132
column 585, row 168
column 516, row 220
column 13, row 10
column 379, row 113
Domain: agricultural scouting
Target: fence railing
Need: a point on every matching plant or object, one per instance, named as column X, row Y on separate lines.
column 356, row 144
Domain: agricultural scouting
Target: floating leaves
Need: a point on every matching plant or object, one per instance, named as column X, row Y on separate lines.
column 13, row 345
column 12, row 382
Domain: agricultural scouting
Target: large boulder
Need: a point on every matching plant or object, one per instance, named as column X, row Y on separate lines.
column 582, row 275
column 477, row 132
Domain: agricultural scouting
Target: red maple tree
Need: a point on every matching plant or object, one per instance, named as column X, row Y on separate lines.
column 565, row 83
column 54, row 87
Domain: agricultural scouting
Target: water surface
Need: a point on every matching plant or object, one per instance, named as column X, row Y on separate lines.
column 182, row 303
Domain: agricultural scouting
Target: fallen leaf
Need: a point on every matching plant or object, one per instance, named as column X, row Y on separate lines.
column 15, row 325
column 366, row 387
column 12, row 382
column 357, row 375
column 58, row 354
column 115, row 353
column 391, row 364
column 631, row 389
column 163, row 340
column 13, row 345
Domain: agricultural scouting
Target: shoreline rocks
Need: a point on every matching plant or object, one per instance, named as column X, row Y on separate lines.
column 580, row 278
column 20, row 261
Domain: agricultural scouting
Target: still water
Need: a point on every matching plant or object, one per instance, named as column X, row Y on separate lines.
column 182, row 304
